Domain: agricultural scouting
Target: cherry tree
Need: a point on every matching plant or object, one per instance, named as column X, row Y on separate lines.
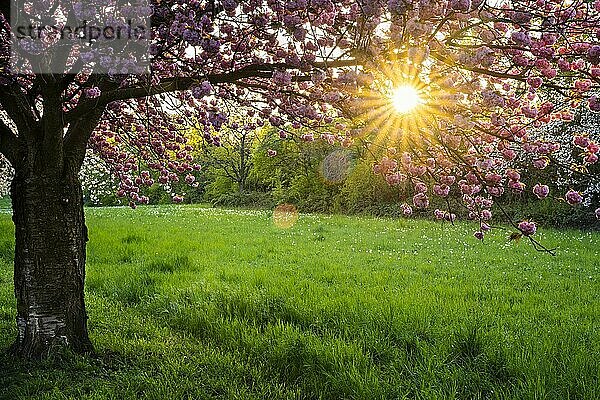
column 474, row 74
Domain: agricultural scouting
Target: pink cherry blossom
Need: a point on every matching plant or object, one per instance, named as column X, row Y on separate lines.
column 581, row 141
column 583, row 85
column 513, row 174
column 516, row 186
column 420, row 187
column 509, row 154
column 406, row 210
column 447, row 180
column 441, row 190
column 541, row 191
column 591, row 159
column 486, row 215
column 420, row 200
column 549, row 73
column 541, row 163
column 594, row 103
column 93, row 92
column 528, row 228
column 573, row 198
column 189, row 179
column 395, row 179
column 439, row 214
column 493, row 178
column 282, row 78
column 535, row 82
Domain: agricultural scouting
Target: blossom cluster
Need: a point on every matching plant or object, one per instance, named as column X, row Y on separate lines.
column 142, row 153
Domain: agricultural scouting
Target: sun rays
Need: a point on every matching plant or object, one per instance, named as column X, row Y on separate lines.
column 405, row 99
column 405, row 107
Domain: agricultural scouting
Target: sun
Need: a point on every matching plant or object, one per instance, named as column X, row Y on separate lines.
column 405, row 99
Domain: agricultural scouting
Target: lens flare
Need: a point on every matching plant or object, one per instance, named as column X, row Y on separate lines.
column 285, row 216
column 336, row 166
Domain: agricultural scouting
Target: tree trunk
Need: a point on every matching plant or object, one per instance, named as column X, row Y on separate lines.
column 50, row 242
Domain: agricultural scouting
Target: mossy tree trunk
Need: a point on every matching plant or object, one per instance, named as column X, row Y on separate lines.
column 49, row 267
column 47, row 151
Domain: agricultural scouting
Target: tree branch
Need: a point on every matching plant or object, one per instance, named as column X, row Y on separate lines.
column 16, row 106
column 184, row 83
column 77, row 137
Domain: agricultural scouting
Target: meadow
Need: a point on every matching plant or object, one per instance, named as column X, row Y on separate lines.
column 192, row 302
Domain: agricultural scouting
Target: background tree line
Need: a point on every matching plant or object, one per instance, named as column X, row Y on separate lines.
column 260, row 167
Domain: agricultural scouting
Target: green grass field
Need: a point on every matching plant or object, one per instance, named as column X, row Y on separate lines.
column 192, row 303
column 4, row 203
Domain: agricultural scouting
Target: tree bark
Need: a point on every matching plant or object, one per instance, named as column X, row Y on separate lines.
column 49, row 267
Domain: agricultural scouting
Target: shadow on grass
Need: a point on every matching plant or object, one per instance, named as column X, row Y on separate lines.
column 311, row 354
column 62, row 374
column 289, row 361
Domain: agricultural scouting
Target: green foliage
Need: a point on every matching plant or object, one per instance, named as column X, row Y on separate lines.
column 158, row 195
column 552, row 213
column 310, row 193
column 218, row 187
column 365, row 192
column 298, row 175
column 193, row 302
